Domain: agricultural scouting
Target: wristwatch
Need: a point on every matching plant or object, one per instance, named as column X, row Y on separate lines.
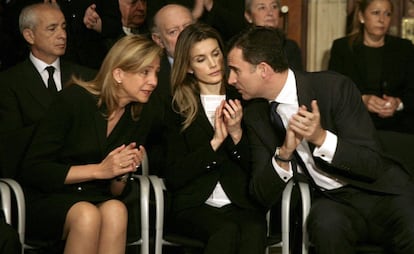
column 278, row 158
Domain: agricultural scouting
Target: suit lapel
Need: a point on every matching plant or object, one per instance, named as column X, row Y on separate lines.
column 35, row 85
column 203, row 123
column 257, row 118
column 305, row 95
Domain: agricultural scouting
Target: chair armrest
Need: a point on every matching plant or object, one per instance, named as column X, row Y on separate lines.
column 306, row 204
column 21, row 206
column 286, row 198
column 145, row 165
column 5, row 201
column 159, row 187
column 144, row 205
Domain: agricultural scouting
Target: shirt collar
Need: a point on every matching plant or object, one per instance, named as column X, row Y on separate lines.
column 40, row 65
column 127, row 30
column 170, row 60
column 288, row 94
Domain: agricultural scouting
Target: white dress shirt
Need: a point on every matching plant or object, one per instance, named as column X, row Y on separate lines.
column 288, row 106
column 218, row 197
column 41, row 68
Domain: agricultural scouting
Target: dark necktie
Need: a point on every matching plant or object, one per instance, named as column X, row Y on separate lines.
column 281, row 133
column 51, row 85
column 296, row 159
column 134, row 30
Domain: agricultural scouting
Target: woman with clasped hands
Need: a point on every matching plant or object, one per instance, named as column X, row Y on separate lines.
column 84, row 149
column 379, row 64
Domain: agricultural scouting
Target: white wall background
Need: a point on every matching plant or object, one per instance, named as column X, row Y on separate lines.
column 326, row 22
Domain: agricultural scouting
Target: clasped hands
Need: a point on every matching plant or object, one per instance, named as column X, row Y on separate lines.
column 227, row 121
column 303, row 125
column 122, row 160
column 384, row 107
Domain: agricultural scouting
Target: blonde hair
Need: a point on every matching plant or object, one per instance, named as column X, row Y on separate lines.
column 185, row 87
column 131, row 53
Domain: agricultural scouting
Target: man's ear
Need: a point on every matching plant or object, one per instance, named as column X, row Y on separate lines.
column 28, row 35
column 248, row 17
column 263, row 68
column 157, row 39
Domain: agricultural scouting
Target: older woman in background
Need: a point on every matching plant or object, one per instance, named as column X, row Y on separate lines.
column 267, row 13
column 380, row 65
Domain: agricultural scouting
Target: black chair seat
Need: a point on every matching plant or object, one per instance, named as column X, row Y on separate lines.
column 273, row 239
column 370, row 249
column 183, row 241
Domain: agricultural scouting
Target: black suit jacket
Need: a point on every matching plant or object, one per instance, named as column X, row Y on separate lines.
column 397, row 71
column 358, row 159
column 24, row 100
column 194, row 168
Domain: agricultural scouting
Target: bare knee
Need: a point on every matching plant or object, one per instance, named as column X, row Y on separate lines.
column 114, row 214
column 82, row 217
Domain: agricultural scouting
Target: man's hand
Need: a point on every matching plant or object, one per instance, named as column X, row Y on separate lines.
column 308, row 125
column 92, row 20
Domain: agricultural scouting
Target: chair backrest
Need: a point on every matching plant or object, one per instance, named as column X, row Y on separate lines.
column 16, row 190
column 5, row 201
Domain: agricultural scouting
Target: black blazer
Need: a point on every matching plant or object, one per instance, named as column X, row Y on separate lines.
column 24, row 100
column 397, row 71
column 73, row 132
column 358, row 159
column 194, row 168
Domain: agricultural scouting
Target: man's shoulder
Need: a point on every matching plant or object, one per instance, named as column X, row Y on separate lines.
column 81, row 71
column 18, row 74
column 69, row 65
column 254, row 106
column 319, row 75
column 21, row 68
column 323, row 82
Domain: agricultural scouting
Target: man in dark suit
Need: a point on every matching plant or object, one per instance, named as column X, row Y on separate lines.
column 24, row 93
column 108, row 20
column 167, row 25
column 360, row 194
column 225, row 16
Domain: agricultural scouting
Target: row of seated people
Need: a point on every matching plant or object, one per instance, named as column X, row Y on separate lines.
column 378, row 63
column 94, row 25
column 188, row 73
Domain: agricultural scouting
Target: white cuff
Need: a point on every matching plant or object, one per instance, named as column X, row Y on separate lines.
column 327, row 150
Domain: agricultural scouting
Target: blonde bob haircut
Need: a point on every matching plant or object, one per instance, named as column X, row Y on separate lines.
column 132, row 53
